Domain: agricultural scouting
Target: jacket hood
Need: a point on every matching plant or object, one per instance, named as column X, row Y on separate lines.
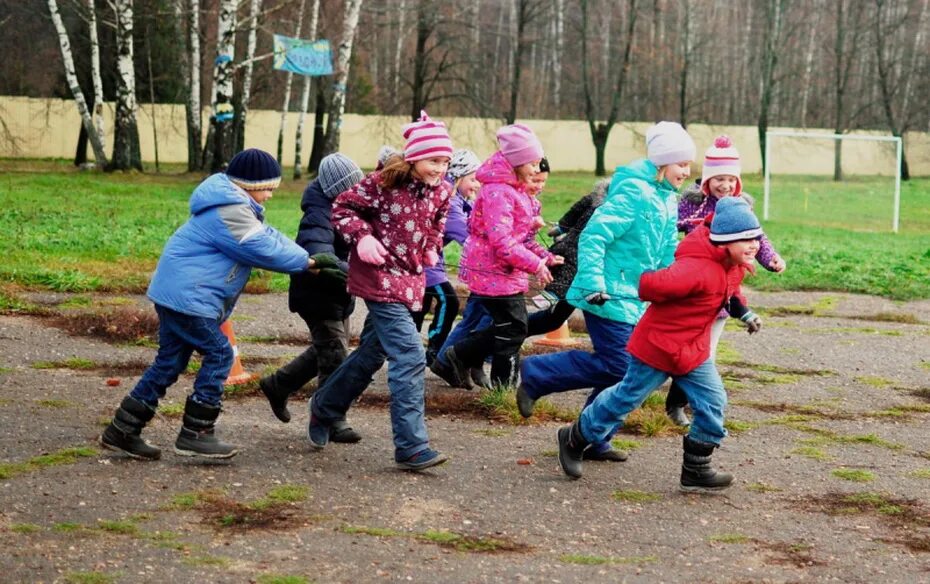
column 642, row 169
column 217, row 191
column 313, row 196
column 496, row 169
column 697, row 245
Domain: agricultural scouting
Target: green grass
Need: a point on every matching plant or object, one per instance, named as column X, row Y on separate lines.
column 730, row 538
column 90, row 578
column 853, row 474
column 81, row 232
column 633, row 496
column 590, row 560
column 281, row 579
column 65, row 456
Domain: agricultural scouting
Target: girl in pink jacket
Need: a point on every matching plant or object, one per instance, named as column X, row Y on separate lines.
column 500, row 254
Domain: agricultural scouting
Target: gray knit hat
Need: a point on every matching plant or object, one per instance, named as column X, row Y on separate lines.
column 464, row 162
column 337, row 174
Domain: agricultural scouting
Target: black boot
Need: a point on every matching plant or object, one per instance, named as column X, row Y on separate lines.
column 197, row 438
column 459, row 368
column 571, row 449
column 278, row 386
column 124, row 431
column 479, row 377
column 445, row 373
column 697, row 475
column 340, row 431
column 675, row 404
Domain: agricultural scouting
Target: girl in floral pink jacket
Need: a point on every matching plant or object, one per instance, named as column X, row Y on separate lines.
column 500, row 254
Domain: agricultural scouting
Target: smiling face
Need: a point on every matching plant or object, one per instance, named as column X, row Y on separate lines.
column 742, row 252
column 677, row 173
column 538, row 183
column 431, row 170
column 723, row 185
column 468, row 186
column 526, row 172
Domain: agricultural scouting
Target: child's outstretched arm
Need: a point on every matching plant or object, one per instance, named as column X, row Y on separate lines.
column 768, row 258
column 675, row 282
column 691, row 209
column 250, row 242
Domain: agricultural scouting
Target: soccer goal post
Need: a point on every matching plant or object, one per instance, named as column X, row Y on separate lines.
column 823, row 136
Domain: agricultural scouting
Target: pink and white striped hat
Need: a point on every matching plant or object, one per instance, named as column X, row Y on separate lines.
column 426, row 138
column 720, row 159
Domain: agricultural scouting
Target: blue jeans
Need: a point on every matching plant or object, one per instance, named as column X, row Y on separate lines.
column 475, row 317
column 389, row 333
column 702, row 385
column 567, row 370
column 179, row 335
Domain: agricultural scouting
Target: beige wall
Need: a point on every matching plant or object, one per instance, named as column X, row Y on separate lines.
column 48, row 128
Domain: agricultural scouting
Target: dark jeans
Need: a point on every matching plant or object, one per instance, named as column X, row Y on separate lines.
column 549, row 319
column 179, row 335
column 505, row 334
column 388, row 334
column 446, row 309
column 330, row 340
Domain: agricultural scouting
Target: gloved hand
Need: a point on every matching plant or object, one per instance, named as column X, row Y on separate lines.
column 335, row 274
column 539, row 222
column 371, row 251
column 321, row 261
column 753, row 322
column 542, row 274
column 597, row 298
column 431, row 258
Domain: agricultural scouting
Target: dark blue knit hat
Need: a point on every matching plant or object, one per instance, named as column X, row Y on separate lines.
column 734, row 221
column 254, row 170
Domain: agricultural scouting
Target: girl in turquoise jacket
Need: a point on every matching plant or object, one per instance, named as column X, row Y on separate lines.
column 632, row 232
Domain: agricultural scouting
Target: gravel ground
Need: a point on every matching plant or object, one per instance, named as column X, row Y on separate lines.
column 832, row 389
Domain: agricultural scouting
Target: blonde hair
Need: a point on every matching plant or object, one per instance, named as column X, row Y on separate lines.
column 396, row 172
column 660, row 176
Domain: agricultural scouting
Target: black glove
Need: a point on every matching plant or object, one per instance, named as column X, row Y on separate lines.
column 753, row 322
column 597, row 298
column 335, row 274
column 321, row 261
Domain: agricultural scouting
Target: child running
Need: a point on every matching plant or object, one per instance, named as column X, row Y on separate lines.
column 394, row 219
column 439, row 290
column 500, row 253
column 632, row 232
column 720, row 178
column 199, row 277
column 319, row 296
column 673, row 340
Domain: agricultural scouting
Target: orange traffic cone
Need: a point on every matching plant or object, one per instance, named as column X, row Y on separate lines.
column 237, row 374
column 560, row 337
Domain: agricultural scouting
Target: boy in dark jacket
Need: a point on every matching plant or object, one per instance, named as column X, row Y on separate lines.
column 673, row 340
column 201, row 272
column 319, row 297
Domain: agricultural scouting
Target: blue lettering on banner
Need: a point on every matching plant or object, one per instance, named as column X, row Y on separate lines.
column 303, row 57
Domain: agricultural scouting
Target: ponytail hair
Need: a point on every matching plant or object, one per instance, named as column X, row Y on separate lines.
column 396, row 172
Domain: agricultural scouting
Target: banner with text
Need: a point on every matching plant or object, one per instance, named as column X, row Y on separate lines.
column 302, row 57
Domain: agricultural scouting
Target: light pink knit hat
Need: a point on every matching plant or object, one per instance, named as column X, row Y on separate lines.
column 426, row 138
column 519, row 144
column 721, row 159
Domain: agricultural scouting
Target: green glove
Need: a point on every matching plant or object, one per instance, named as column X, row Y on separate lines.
column 322, row 261
column 335, row 274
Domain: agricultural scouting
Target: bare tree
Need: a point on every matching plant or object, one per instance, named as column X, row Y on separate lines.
column 246, row 94
column 305, row 96
column 287, row 87
column 95, row 71
column 846, row 46
column 343, row 57
column 126, row 151
column 68, row 59
column 774, row 21
column 189, row 37
column 526, row 12
column 223, row 110
column 600, row 131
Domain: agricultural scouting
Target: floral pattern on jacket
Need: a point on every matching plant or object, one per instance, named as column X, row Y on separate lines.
column 501, row 250
column 408, row 221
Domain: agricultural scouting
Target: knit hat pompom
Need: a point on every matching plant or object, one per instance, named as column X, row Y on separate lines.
column 338, row 173
column 254, row 170
column 426, row 138
column 721, row 159
column 667, row 143
column 519, row 145
column 385, row 153
column 734, row 221
column 464, row 162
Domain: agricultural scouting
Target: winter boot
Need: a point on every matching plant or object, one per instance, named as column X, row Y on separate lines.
column 197, row 436
column 525, row 402
column 697, row 475
column 445, row 373
column 479, row 377
column 458, row 367
column 340, row 431
column 677, row 415
column 124, row 431
column 571, row 449
column 278, row 386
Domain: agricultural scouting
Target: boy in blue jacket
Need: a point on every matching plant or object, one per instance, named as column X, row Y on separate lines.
column 201, row 272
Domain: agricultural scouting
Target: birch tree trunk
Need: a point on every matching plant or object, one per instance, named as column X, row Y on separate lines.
column 402, row 15
column 191, row 71
column 305, row 97
column 242, row 115
column 559, row 26
column 68, row 60
column 223, row 110
column 341, row 77
column 287, row 88
column 774, row 11
column 95, row 72
column 126, row 153
column 809, row 62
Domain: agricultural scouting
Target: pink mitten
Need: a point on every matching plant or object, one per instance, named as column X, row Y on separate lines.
column 431, row 258
column 371, row 251
column 539, row 222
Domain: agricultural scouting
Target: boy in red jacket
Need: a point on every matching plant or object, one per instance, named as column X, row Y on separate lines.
column 673, row 340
